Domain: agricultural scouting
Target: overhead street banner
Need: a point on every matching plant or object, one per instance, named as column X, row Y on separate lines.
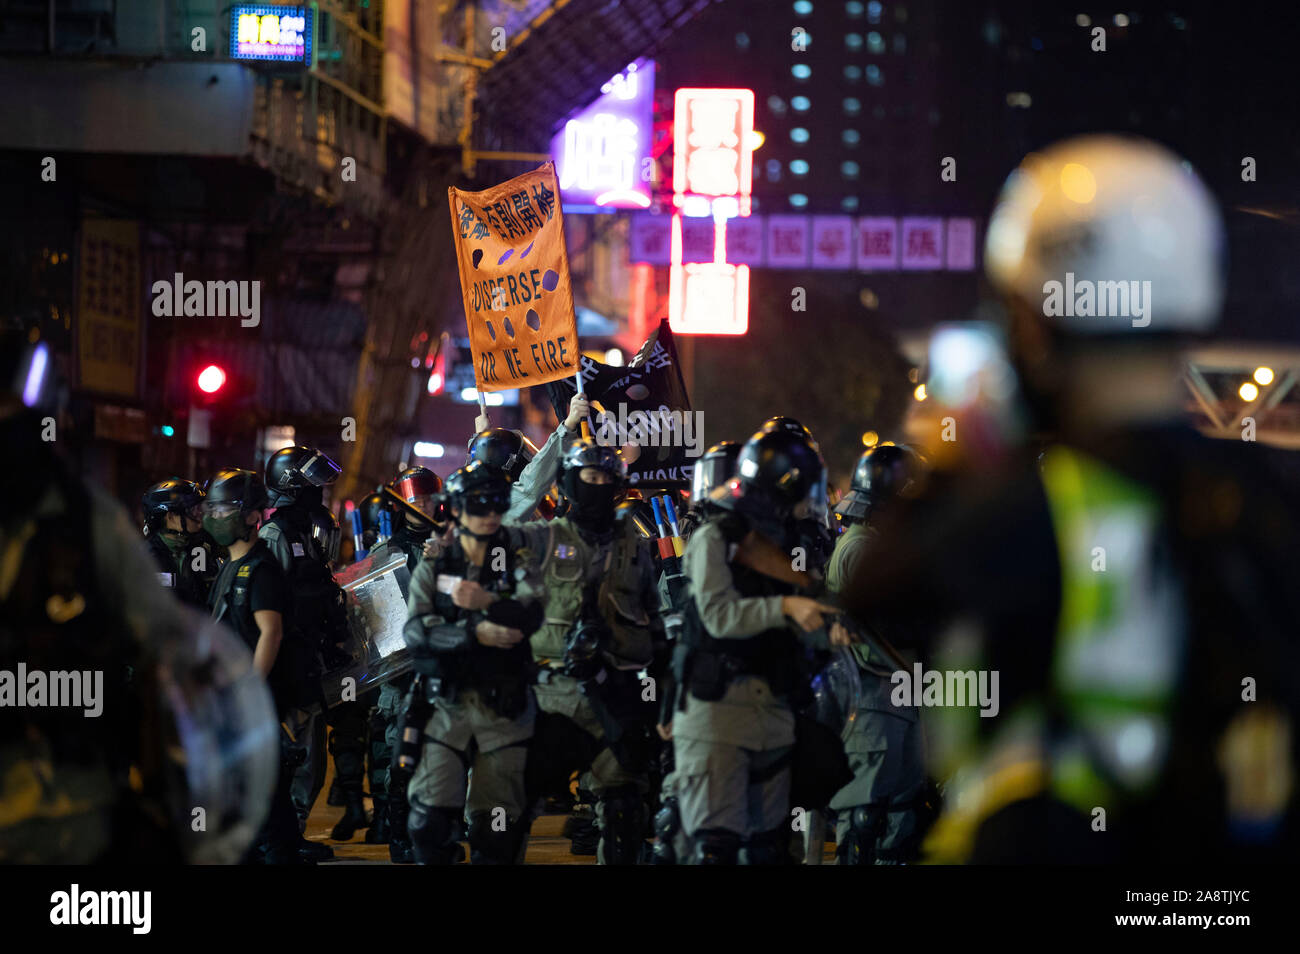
column 514, row 277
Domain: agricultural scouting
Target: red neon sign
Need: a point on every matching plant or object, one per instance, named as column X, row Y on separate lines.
column 711, row 144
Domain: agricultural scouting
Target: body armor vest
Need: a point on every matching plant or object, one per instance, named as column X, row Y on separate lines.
column 619, row 599
column 501, row 676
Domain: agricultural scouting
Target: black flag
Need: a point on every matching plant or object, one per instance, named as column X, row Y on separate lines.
column 644, row 403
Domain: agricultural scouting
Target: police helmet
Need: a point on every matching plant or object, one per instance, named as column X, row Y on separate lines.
column 478, row 489
column 173, row 495
column 882, row 473
column 291, row 469
column 235, row 487
column 586, row 452
column 715, row 467
column 508, row 451
column 775, row 472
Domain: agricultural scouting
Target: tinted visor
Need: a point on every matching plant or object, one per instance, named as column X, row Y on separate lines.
column 483, row 503
column 320, row 471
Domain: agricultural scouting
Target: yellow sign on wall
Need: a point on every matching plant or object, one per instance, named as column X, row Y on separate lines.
column 109, row 306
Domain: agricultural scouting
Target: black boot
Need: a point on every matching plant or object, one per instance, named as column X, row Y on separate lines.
column 313, row 851
column 354, row 816
column 335, row 796
column 400, row 851
column 379, row 831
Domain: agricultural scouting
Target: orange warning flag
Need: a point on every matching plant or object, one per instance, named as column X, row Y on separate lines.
column 514, row 276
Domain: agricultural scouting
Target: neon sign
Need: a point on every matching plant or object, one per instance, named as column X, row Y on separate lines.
column 713, row 139
column 602, row 151
column 273, row 33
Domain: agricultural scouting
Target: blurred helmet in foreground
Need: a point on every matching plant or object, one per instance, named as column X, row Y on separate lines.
column 1084, row 228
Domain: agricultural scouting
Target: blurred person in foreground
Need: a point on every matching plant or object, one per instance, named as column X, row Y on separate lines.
column 1130, row 585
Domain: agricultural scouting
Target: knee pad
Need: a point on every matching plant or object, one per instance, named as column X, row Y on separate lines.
column 621, row 816
column 434, row 834
column 668, row 822
column 866, row 822
column 770, row 847
column 715, row 846
column 489, row 846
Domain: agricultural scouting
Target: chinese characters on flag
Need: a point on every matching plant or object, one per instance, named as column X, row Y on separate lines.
column 514, row 277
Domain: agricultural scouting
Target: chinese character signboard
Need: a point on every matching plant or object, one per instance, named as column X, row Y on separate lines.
column 745, row 241
column 710, row 298
column 276, row 34
column 648, row 239
column 787, row 241
column 877, row 244
column 833, row 238
column 922, row 244
column 514, row 277
column 109, row 305
column 603, row 151
column 712, row 138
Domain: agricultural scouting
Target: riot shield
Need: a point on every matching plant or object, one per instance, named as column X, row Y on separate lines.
column 375, row 589
column 222, row 737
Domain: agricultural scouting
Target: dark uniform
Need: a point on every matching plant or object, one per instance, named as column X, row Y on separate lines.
column 187, row 562
column 242, row 588
column 294, row 478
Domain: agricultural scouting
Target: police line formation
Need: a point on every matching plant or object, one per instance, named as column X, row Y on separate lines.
column 714, row 674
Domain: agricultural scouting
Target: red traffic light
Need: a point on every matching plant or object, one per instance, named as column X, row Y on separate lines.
column 211, row 379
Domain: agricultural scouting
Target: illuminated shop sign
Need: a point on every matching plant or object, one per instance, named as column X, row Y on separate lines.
column 271, row 33
column 713, row 139
column 601, row 153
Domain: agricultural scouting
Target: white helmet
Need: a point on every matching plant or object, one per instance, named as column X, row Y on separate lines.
column 1102, row 234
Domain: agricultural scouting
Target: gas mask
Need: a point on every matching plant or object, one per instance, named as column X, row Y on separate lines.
column 592, row 505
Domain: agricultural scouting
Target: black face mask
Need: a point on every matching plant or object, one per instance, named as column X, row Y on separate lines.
column 592, row 505
column 309, row 497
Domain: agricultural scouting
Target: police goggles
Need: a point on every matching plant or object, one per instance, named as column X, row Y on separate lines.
column 220, row 510
column 482, row 504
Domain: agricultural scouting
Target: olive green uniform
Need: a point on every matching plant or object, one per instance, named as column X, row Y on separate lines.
column 884, row 747
column 628, row 601
column 732, row 755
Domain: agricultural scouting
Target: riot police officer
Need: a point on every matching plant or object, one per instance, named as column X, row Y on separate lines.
column 602, row 619
column 741, row 680
column 295, row 478
column 413, row 525
column 251, row 595
column 816, row 538
column 187, row 563
column 531, row 471
column 468, row 630
column 715, row 467
column 877, row 816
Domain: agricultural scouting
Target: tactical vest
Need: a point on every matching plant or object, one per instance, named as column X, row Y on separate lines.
column 231, row 603
column 501, row 676
column 619, row 598
column 774, row 654
column 319, row 606
column 176, row 571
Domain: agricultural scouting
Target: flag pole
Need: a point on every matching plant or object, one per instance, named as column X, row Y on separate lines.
column 577, row 380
